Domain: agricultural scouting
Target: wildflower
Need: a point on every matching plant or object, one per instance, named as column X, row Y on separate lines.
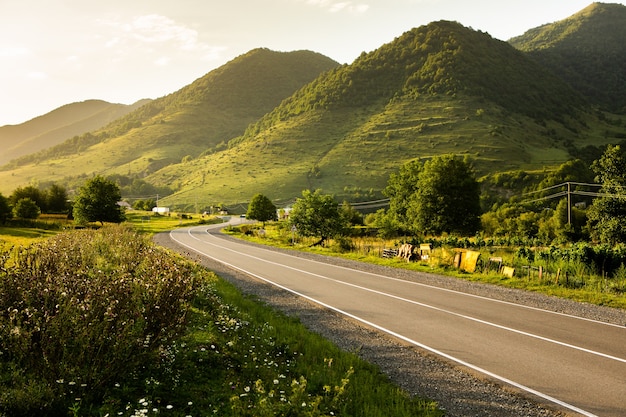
column 169, row 406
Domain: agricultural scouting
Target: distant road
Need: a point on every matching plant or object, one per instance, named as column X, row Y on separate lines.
column 577, row 363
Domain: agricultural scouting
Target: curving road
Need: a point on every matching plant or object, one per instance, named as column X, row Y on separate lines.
column 577, row 363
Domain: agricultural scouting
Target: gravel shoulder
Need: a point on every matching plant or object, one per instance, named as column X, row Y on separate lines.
column 458, row 390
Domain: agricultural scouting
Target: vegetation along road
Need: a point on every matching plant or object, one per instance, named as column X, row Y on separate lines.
column 575, row 363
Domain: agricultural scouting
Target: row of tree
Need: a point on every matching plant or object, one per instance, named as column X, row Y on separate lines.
column 96, row 201
column 443, row 196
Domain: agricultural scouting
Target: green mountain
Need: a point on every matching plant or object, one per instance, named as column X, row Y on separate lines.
column 277, row 123
column 56, row 126
column 588, row 50
column 440, row 88
column 200, row 117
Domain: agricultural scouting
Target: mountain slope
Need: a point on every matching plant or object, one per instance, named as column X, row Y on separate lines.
column 56, row 126
column 440, row 88
column 588, row 50
column 198, row 118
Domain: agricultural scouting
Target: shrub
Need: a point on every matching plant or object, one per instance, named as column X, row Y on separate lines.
column 82, row 311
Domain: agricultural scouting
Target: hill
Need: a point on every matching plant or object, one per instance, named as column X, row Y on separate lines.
column 588, row 50
column 198, row 118
column 56, row 126
column 440, row 88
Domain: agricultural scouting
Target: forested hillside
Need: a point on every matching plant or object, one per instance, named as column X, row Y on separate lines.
column 588, row 50
column 278, row 123
column 200, row 117
column 440, row 88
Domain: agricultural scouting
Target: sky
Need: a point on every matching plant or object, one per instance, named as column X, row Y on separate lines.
column 56, row 52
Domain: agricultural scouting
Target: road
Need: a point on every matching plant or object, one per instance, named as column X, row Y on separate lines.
column 576, row 363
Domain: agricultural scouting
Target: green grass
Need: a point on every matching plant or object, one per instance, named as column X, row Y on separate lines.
column 148, row 222
column 586, row 287
column 133, row 330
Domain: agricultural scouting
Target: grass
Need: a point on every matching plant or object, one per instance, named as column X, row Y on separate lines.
column 24, row 232
column 582, row 285
column 149, row 223
column 133, row 330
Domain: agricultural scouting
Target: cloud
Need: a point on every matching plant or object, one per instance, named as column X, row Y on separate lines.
column 13, row 51
column 155, row 32
column 334, row 6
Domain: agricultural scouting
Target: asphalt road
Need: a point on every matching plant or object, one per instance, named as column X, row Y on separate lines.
column 576, row 363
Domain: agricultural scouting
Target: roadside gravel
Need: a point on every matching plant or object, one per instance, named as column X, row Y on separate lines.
column 459, row 391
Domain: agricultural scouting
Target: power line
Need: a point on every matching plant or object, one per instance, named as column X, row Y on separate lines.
column 569, row 193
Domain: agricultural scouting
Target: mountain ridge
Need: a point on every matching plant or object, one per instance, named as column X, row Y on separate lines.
column 199, row 117
column 59, row 124
column 440, row 88
column 587, row 49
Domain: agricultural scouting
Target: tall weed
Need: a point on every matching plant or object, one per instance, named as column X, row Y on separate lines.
column 84, row 309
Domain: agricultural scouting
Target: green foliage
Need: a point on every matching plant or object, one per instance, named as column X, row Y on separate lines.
column 400, row 189
column 5, row 209
column 56, row 199
column 82, row 312
column 262, row 209
column 25, row 208
column 32, row 193
column 447, row 198
column 97, row 202
column 587, row 50
column 607, row 214
column 317, row 214
column 145, row 205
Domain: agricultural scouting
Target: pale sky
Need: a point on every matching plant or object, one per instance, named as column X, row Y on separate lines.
column 56, row 52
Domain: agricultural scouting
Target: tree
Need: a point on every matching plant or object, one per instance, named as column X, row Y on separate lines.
column 31, row 192
column 262, row 209
column 5, row 209
column 447, row 198
column 26, row 208
column 97, row 202
column 400, row 188
column 607, row 214
column 317, row 214
column 56, row 199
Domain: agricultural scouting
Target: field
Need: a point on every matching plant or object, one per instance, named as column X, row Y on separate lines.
column 133, row 330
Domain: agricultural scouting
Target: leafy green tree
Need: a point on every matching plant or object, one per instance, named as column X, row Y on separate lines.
column 56, row 199
column 31, row 192
column 26, row 208
column 400, row 188
column 447, row 198
column 317, row 214
column 5, row 209
column 352, row 216
column 97, row 202
column 146, row 205
column 607, row 214
column 262, row 209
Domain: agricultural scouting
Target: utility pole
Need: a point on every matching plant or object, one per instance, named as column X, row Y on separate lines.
column 569, row 203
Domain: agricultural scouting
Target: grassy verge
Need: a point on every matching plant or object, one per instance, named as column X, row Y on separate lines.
column 101, row 322
column 586, row 287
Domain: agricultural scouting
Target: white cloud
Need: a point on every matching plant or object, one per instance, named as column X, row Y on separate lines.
column 334, row 6
column 37, row 75
column 154, row 32
column 13, row 51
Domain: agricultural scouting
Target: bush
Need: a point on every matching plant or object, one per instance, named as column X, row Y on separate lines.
column 82, row 312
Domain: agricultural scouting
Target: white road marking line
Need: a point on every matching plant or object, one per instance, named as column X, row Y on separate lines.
column 383, row 329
